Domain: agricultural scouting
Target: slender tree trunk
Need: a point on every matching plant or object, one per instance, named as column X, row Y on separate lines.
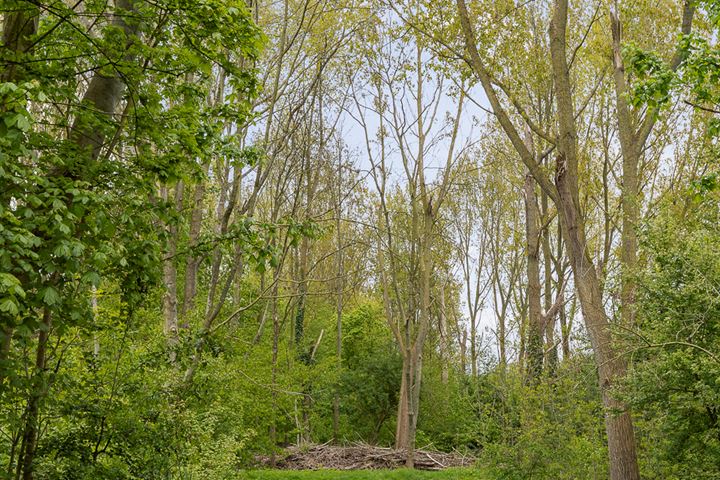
column 193, row 260
column 104, row 93
column 444, row 341
column 535, row 320
column 621, row 437
column 274, row 365
column 39, row 388
column 407, row 405
column 402, row 429
column 19, row 26
column 339, row 305
column 222, row 210
column 633, row 138
column 463, row 353
column 630, row 184
column 5, row 344
column 473, row 347
column 170, row 303
column 549, row 320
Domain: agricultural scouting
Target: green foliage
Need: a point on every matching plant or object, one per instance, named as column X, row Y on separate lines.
column 653, row 77
column 552, row 430
column 74, row 220
column 370, row 381
column 447, row 421
column 675, row 380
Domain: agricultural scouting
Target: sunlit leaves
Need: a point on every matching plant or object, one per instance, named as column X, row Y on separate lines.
column 654, row 78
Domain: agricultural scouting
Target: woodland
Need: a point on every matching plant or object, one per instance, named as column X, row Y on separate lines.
column 232, row 229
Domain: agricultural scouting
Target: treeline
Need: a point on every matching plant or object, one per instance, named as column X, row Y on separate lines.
column 228, row 227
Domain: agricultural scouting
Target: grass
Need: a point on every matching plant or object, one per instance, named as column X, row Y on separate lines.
column 402, row 474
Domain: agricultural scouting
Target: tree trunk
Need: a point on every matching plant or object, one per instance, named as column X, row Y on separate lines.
column 463, row 353
column 39, row 388
column 273, row 379
column 339, row 305
column 104, row 94
column 621, row 437
column 633, row 138
column 549, row 320
column 407, row 405
column 535, row 320
column 193, row 260
column 630, row 181
column 444, row 341
column 19, row 27
column 5, row 344
column 170, row 304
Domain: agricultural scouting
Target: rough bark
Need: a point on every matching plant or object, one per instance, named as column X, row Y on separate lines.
column 618, row 424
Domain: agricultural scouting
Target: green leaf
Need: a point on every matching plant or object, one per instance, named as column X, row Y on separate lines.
column 9, row 306
column 51, row 296
column 92, row 278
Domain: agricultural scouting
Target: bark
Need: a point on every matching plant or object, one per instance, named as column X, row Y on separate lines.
column 223, row 211
column 535, row 319
column 5, row 344
column 103, row 94
column 206, row 327
column 18, row 28
column 39, row 389
column 565, row 194
column 463, row 352
column 633, row 138
column 550, row 317
column 193, row 260
column 275, row 343
column 103, row 97
column 170, row 303
column 340, row 267
column 444, row 341
column 302, row 294
column 619, row 428
column 407, row 404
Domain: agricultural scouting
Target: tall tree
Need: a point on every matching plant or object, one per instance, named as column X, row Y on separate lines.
column 565, row 193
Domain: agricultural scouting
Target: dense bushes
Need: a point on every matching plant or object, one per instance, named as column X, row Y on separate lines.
column 675, row 382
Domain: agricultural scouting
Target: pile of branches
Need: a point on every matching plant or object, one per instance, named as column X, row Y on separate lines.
column 361, row 456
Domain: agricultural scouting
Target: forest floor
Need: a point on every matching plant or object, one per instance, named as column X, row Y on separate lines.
column 400, row 474
column 361, row 456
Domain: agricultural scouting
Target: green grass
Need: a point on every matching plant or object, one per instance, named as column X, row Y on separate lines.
column 450, row 474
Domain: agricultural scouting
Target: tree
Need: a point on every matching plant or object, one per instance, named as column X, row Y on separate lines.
column 565, row 194
column 79, row 193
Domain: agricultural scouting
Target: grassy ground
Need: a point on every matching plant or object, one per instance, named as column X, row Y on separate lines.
column 450, row 474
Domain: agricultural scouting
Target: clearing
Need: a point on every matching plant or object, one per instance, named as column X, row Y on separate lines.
column 401, row 474
column 363, row 462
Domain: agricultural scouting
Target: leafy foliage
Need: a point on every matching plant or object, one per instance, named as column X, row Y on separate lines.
column 676, row 373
